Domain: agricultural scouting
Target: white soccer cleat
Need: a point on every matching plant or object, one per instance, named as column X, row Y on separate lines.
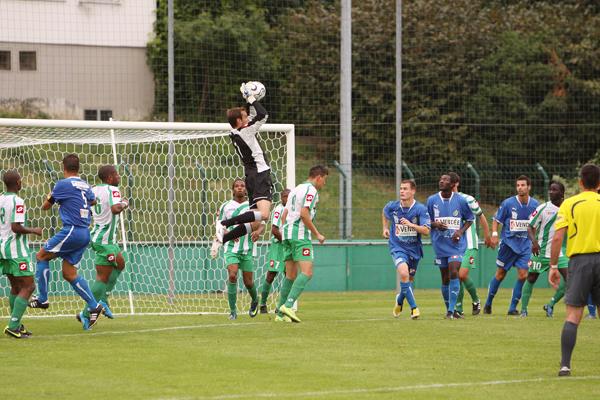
column 215, row 248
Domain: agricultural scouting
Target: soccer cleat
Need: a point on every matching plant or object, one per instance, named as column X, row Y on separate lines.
column 106, row 311
column 289, row 312
column 458, row 315
column 215, row 248
column 476, row 308
column 285, row 318
column 513, row 312
column 17, row 334
column 591, row 316
column 460, row 312
column 397, row 310
column 253, row 309
column 487, row 310
column 35, row 303
column 263, row 310
column 523, row 314
column 549, row 310
column 232, row 316
column 449, row 315
column 564, row 371
column 25, row 331
column 414, row 314
column 95, row 314
column 84, row 321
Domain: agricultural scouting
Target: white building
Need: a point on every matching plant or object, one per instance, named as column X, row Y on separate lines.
column 77, row 59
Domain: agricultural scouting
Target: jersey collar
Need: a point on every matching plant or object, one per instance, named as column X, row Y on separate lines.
column 440, row 194
column 9, row 194
column 309, row 182
column 519, row 201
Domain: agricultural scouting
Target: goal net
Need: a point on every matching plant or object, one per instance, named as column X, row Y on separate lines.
column 176, row 176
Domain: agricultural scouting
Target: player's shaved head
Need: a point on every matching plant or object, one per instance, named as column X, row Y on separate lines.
column 71, row 163
column 236, row 181
column 285, row 192
column 590, row 176
column 233, row 114
column 105, row 171
column 559, row 186
column 11, row 178
column 318, row 170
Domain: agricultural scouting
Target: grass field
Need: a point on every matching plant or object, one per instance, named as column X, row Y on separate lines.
column 348, row 346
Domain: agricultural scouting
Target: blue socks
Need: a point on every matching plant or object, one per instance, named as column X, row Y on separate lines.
column 446, row 295
column 493, row 289
column 42, row 276
column 591, row 307
column 516, row 296
column 454, row 288
column 81, row 287
column 407, row 292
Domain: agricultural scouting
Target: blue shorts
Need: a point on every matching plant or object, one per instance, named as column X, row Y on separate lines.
column 507, row 258
column 400, row 257
column 442, row 262
column 69, row 243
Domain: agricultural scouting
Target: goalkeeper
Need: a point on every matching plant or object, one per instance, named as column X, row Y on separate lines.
column 109, row 259
column 244, row 137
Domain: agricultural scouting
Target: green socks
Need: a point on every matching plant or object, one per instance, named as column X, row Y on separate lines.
column 232, row 295
column 253, row 294
column 11, row 301
column 286, row 287
column 459, row 299
column 297, row 289
column 98, row 288
column 560, row 292
column 525, row 295
column 112, row 282
column 469, row 284
column 20, row 306
column 264, row 293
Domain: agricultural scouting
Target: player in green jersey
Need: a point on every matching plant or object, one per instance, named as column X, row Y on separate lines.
column 275, row 251
column 298, row 226
column 238, row 252
column 470, row 257
column 541, row 234
column 15, row 262
column 110, row 261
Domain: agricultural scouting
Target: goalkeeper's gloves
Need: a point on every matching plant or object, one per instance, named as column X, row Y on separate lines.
column 247, row 94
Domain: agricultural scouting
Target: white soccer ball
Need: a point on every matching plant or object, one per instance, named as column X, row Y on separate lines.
column 257, row 89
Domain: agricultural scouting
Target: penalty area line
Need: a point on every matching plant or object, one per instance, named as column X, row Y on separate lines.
column 388, row 389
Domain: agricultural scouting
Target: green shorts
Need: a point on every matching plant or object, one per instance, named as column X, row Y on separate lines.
column 106, row 254
column 469, row 259
column 298, row 250
column 245, row 261
column 276, row 256
column 538, row 265
column 16, row 266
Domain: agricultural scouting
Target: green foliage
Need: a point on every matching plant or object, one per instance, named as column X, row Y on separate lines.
column 21, row 115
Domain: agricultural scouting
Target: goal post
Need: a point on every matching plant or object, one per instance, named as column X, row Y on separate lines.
column 176, row 176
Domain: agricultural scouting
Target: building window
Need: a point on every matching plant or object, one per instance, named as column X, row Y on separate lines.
column 27, row 61
column 105, row 115
column 5, row 60
column 90, row 115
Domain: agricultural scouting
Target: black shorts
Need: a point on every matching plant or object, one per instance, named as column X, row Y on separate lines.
column 259, row 187
column 583, row 278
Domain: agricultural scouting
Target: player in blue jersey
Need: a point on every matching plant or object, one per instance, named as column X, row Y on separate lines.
column 451, row 216
column 410, row 220
column 75, row 198
column 515, row 250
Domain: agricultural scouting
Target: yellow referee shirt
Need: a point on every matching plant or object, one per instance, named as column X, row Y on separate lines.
column 581, row 215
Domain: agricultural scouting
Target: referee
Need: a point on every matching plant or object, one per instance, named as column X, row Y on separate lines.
column 579, row 218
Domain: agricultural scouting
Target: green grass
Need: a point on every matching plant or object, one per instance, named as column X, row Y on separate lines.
column 347, row 347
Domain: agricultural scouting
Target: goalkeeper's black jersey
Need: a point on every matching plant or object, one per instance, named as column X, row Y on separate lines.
column 246, row 143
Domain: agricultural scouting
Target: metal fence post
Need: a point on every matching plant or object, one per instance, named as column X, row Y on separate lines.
column 546, row 179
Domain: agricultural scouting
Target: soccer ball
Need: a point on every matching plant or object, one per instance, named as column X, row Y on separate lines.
column 257, row 89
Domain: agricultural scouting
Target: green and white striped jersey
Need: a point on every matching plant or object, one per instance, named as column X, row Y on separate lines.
column 543, row 220
column 229, row 210
column 304, row 195
column 276, row 216
column 472, row 237
column 106, row 223
column 12, row 210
